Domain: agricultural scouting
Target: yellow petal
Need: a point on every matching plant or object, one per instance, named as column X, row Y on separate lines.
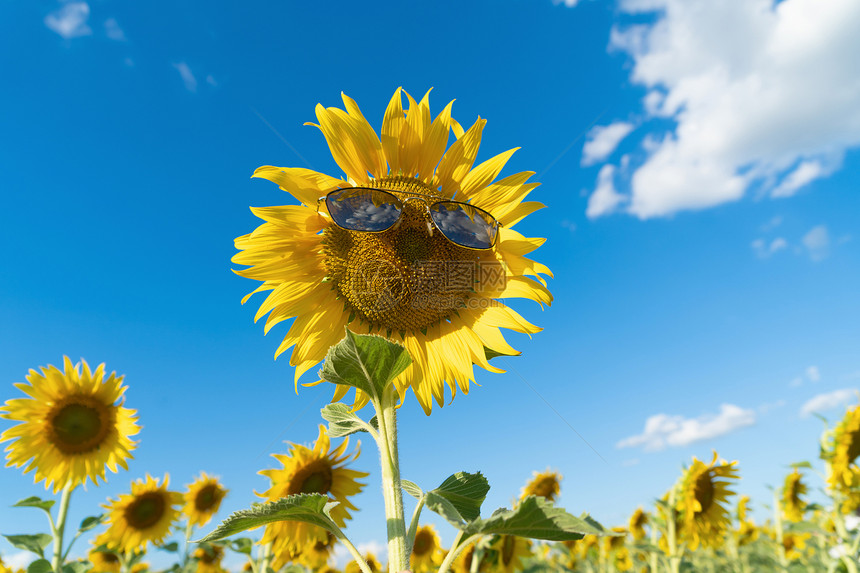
column 458, row 160
column 367, row 138
column 483, row 174
column 392, row 124
column 303, row 184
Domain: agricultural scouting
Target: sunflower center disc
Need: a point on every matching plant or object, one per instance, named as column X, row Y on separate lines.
column 314, row 479
column 704, row 491
column 404, row 278
column 853, row 446
column 205, row 498
column 79, row 426
column 145, row 511
column 110, row 557
column 423, row 542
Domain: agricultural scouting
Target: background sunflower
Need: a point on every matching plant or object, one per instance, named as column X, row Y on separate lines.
column 141, row 517
column 72, row 427
column 310, row 470
column 203, row 499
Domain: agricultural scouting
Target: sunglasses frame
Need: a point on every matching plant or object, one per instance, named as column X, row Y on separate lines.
column 420, row 197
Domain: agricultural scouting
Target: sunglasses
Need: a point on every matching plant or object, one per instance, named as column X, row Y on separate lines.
column 377, row 210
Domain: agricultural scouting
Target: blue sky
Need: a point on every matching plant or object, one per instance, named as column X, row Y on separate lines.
column 701, row 224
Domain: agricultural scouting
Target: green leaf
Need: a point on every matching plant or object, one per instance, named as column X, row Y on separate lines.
column 34, row 501
column 33, row 543
column 172, row 547
column 40, row 566
column 412, row 489
column 342, row 421
column 466, row 492
column 365, row 361
column 75, row 567
column 242, row 545
column 536, row 518
column 438, row 504
column 310, row 508
column 799, row 465
column 90, row 522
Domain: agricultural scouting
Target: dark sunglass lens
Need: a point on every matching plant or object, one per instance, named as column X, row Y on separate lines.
column 464, row 224
column 363, row 209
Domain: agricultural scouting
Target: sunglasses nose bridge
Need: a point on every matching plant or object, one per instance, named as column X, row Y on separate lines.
column 428, row 219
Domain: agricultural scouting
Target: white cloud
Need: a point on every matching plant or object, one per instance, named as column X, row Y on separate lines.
column 768, row 406
column 113, row 31
column 187, row 77
column 605, row 198
column 771, row 106
column 70, row 20
column 763, row 249
column 663, row 430
column 805, row 173
column 828, row 401
column 210, row 79
column 568, row 3
column 817, row 242
column 813, row 374
column 602, row 140
column 19, row 560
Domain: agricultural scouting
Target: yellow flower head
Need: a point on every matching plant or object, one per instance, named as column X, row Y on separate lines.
column 793, row 505
column 543, row 484
column 310, row 470
column 145, row 515
column 372, row 562
column 613, row 543
column 463, row 562
column 104, row 561
column 841, row 455
column 795, row 544
column 701, row 502
column 316, row 553
column 203, row 499
column 422, row 260
column 209, row 559
column 140, row 567
column 509, row 552
column 427, row 552
column 638, row 521
column 72, row 426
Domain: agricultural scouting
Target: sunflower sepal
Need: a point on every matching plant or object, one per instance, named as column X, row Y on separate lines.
column 313, row 508
column 537, row 518
column 342, row 421
column 34, row 543
column 367, row 362
column 37, row 502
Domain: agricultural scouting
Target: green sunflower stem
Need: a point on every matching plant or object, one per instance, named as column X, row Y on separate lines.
column 780, row 535
column 456, row 548
column 672, row 535
column 59, row 529
column 392, row 490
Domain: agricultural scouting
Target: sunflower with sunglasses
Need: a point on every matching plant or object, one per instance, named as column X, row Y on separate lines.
column 415, row 243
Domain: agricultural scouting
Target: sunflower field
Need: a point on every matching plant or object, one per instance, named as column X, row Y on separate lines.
column 393, row 277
